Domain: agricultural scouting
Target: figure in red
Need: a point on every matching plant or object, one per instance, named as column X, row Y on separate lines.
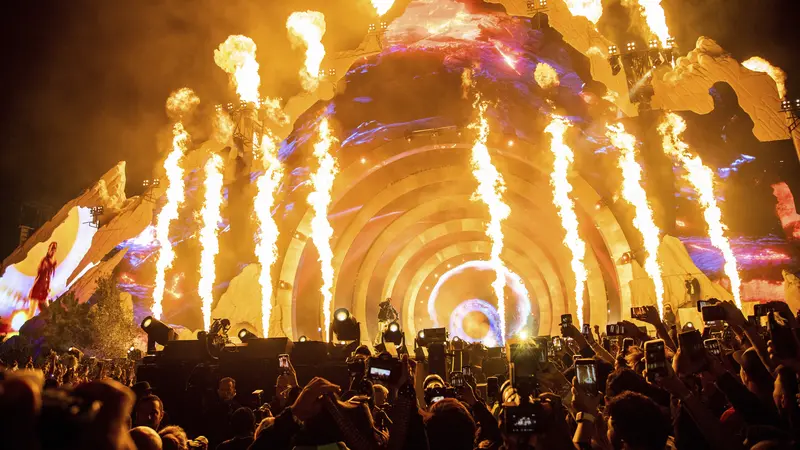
column 41, row 286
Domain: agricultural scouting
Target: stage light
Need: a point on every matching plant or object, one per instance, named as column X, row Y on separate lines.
column 157, row 333
column 344, row 326
column 626, row 258
column 613, row 50
column 321, row 73
column 630, row 46
column 431, row 336
column 300, row 236
column 246, row 335
column 284, row 285
column 670, row 42
column 654, row 44
column 384, row 26
column 523, row 335
column 393, row 334
column 303, row 339
column 372, row 28
column 421, row 334
column 600, row 204
column 510, row 143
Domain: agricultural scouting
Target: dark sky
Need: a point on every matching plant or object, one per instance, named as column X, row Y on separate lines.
column 84, row 82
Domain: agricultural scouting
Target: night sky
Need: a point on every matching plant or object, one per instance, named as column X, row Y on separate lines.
column 84, row 82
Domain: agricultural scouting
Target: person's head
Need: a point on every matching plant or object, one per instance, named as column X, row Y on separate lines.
column 380, row 394
column 362, row 350
column 173, row 437
column 146, row 438
column 636, row 423
column 388, row 299
column 432, row 381
column 753, row 372
column 149, row 411
column 243, row 422
column 450, row 426
column 51, row 249
column 226, row 389
column 786, row 390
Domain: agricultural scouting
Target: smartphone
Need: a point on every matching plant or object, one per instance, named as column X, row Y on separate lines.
column 702, row 304
column 558, row 343
column 761, row 309
column 713, row 313
column 492, row 389
column 782, row 336
column 586, row 373
column 753, row 320
column 566, row 320
column 457, row 379
column 383, row 368
column 467, row 371
column 283, row 363
column 655, row 359
column 606, row 343
column 639, row 312
column 542, row 348
column 626, row 343
column 614, row 329
column 525, row 358
column 712, row 347
column 586, row 330
column 691, row 344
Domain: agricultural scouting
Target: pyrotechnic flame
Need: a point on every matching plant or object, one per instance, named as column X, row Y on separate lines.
column 209, row 240
column 306, row 29
column 321, row 230
column 382, row 6
column 562, row 187
column 223, row 127
column 182, row 102
column 653, row 14
column 633, row 192
column 702, row 179
column 491, row 188
column 758, row 64
column 273, row 109
column 267, row 233
column 18, row 320
column 591, row 9
column 175, row 197
column 466, row 82
column 237, row 57
column 546, row 76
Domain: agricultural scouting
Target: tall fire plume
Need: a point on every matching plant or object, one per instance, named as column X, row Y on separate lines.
column 633, row 192
column 210, row 217
column 237, row 57
column 321, row 230
column 591, row 9
column 545, row 76
column 382, row 6
column 306, row 29
column 701, row 178
column 758, row 64
column 491, row 188
column 179, row 103
column 562, row 187
column 267, row 234
column 656, row 20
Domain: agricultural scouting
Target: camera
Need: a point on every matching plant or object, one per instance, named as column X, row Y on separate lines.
column 384, row 368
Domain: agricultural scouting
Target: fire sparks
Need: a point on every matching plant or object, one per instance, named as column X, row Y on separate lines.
column 321, row 230
column 546, row 76
column 634, row 193
column 559, row 180
column 506, row 53
column 175, row 287
column 702, row 179
column 382, row 6
column 591, row 9
column 306, row 29
column 209, row 240
column 237, row 57
column 175, row 198
column 182, row 102
column 758, row 64
column 653, row 14
column 267, row 233
column 491, row 187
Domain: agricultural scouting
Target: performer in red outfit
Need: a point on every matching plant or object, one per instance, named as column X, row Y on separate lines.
column 41, row 286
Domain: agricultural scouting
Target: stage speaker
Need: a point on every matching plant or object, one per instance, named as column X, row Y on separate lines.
column 309, row 353
column 266, row 348
column 179, row 351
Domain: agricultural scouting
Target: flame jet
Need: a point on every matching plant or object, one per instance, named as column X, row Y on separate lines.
column 758, row 64
column 267, row 235
column 382, row 6
column 653, row 14
column 634, row 193
column 701, row 178
column 591, row 9
column 180, row 103
column 321, row 230
column 306, row 29
column 559, row 180
column 237, row 57
column 491, row 188
column 209, row 238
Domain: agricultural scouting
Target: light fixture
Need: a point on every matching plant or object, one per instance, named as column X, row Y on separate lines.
column 246, row 335
column 344, row 326
column 303, row 339
column 431, row 336
column 393, row 334
column 157, row 333
column 363, row 160
column 630, row 46
column 510, row 143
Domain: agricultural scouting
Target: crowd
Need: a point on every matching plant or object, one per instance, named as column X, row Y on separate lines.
column 733, row 386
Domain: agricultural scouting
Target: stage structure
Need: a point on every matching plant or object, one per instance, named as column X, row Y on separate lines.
column 405, row 221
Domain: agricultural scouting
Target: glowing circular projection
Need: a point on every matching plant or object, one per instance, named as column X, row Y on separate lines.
column 478, row 320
